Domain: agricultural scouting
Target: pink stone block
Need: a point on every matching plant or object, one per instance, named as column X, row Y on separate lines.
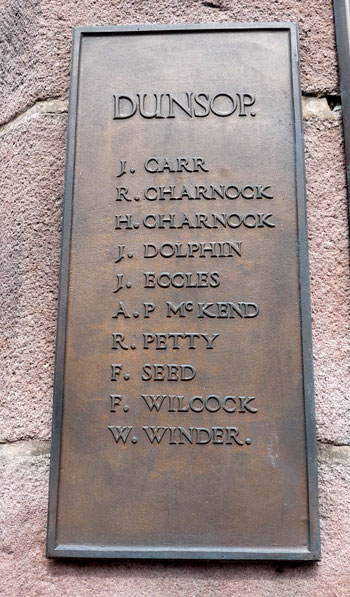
column 330, row 276
column 32, row 156
column 36, row 38
column 24, row 570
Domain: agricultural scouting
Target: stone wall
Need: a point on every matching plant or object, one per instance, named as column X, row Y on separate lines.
column 35, row 42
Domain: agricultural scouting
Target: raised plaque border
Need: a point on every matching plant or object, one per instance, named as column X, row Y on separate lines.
column 160, row 552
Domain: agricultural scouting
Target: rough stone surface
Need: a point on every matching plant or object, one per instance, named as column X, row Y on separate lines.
column 32, row 154
column 25, row 571
column 36, row 38
column 55, row 106
column 318, row 107
column 330, row 276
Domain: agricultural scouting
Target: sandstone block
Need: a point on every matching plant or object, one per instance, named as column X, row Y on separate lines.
column 36, row 38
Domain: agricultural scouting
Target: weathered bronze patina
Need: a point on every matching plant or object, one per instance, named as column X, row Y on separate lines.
column 183, row 408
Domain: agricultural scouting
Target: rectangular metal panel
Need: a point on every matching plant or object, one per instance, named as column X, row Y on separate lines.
column 183, row 407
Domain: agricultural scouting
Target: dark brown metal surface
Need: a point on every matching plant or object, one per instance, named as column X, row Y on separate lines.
column 183, row 415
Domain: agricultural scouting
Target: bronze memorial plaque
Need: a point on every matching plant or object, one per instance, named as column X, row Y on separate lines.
column 183, row 407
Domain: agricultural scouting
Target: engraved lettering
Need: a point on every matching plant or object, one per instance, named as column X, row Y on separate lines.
column 230, row 310
column 148, row 308
column 245, row 101
column 221, row 108
column 158, row 164
column 155, row 106
column 124, row 107
column 181, row 308
column 120, row 433
column 122, row 168
column 193, row 249
column 119, row 278
column 165, row 340
column 193, row 435
column 188, row 103
column 127, row 220
column 155, row 433
column 211, row 192
column 211, row 221
column 115, row 401
column 116, row 369
column 120, row 253
column 197, row 404
column 118, row 341
column 219, row 309
column 121, row 311
column 182, row 280
column 178, row 401
column 154, row 402
column 169, row 372
column 122, row 193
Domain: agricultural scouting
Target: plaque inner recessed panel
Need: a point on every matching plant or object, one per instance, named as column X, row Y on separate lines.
column 183, row 395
